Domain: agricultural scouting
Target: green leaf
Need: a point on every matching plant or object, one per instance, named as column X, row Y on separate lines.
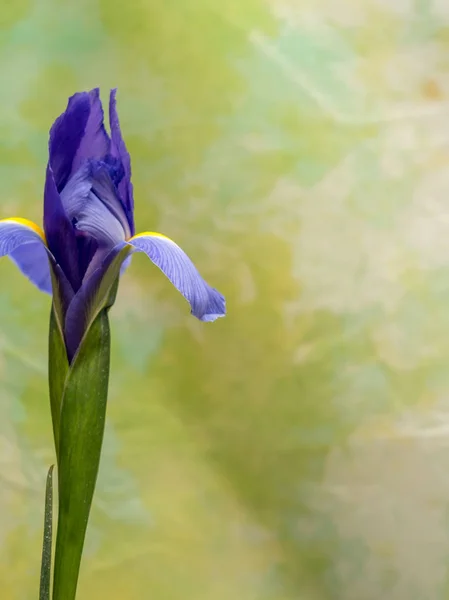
column 81, row 429
column 44, row 590
column 58, row 367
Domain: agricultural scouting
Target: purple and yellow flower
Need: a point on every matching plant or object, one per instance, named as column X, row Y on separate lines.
column 89, row 223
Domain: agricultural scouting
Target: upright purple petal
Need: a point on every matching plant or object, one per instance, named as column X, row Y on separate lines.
column 95, row 143
column 66, row 135
column 118, row 149
column 59, row 232
column 207, row 304
column 105, row 190
column 90, row 203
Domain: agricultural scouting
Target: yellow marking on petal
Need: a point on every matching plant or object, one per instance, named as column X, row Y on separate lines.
column 151, row 234
column 26, row 223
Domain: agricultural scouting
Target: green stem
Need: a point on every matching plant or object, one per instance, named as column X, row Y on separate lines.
column 81, row 429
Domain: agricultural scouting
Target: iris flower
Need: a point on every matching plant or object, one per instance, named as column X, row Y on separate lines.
column 86, row 242
column 88, row 223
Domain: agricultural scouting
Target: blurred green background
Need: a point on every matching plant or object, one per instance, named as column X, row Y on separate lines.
column 298, row 150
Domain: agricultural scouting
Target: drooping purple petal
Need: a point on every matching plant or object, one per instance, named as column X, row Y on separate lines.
column 118, row 149
column 207, row 304
column 23, row 242
column 90, row 212
column 90, row 295
column 32, row 260
column 59, row 232
column 95, row 143
column 66, row 135
column 126, row 263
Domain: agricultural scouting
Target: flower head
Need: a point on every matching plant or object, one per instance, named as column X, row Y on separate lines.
column 88, row 231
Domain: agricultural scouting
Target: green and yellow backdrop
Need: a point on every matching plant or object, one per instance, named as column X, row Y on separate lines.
column 298, row 150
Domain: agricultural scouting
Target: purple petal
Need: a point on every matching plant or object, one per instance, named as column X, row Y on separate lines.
column 125, row 265
column 207, row 303
column 118, row 149
column 90, row 296
column 59, row 232
column 23, row 242
column 105, row 190
column 87, row 250
column 32, row 260
column 66, row 135
column 95, row 143
column 91, row 212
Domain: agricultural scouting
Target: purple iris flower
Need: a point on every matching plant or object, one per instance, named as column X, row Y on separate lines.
column 89, row 222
